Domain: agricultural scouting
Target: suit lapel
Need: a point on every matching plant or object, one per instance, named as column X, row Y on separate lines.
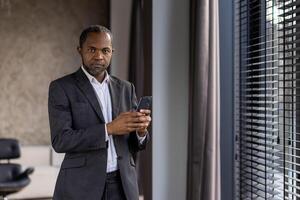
column 115, row 91
column 88, row 90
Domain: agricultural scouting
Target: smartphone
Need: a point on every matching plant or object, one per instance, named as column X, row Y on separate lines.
column 145, row 103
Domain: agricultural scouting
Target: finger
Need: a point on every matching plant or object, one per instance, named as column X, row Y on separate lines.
column 137, row 114
column 136, row 125
column 134, row 119
column 130, row 116
column 149, row 119
column 141, row 119
column 145, row 125
column 145, row 111
column 142, row 130
column 137, row 120
column 145, row 119
column 134, row 114
column 125, row 113
column 131, row 129
column 127, row 129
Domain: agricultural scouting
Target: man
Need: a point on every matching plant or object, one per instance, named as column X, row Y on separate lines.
column 92, row 120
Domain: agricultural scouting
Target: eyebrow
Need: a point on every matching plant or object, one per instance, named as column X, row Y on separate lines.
column 99, row 49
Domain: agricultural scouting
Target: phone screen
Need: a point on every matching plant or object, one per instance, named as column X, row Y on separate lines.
column 145, row 103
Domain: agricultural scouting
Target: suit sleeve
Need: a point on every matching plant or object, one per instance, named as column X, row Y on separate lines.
column 133, row 141
column 63, row 137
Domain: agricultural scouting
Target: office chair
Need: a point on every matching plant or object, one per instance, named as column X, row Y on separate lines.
column 12, row 178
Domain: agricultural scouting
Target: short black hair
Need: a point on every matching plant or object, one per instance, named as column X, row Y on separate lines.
column 93, row 29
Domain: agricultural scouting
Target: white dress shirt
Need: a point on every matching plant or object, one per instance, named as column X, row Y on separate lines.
column 104, row 99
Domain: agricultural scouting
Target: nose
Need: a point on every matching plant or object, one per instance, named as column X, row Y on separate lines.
column 98, row 55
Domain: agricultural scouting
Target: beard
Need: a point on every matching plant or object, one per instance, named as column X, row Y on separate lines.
column 95, row 69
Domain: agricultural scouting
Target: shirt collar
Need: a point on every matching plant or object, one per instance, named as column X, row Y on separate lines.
column 93, row 79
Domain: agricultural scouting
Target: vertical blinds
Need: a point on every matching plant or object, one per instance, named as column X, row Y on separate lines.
column 267, row 99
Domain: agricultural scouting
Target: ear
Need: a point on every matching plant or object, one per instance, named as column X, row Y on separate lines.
column 79, row 49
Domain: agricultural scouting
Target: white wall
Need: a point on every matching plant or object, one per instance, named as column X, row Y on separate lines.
column 170, row 98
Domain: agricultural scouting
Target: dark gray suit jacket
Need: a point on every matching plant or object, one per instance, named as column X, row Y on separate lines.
column 77, row 129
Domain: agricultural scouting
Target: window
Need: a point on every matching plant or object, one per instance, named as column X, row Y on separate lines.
column 267, row 99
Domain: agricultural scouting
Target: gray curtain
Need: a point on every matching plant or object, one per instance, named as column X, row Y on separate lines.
column 203, row 180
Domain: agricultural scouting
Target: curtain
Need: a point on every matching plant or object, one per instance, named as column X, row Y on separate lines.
column 203, row 178
column 140, row 74
column 136, row 56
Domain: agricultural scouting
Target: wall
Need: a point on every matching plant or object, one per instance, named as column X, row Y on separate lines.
column 170, row 98
column 38, row 44
column 120, row 16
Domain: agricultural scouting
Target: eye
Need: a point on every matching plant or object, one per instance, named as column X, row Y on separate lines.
column 91, row 50
column 106, row 51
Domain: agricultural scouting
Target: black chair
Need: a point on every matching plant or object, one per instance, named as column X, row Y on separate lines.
column 12, row 178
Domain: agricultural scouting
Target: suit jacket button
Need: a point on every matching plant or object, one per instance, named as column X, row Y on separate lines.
column 119, row 157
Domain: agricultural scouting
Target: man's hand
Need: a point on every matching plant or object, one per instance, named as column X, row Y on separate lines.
column 143, row 130
column 127, row 122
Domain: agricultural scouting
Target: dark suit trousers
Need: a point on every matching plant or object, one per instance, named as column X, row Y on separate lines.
column 113, row 189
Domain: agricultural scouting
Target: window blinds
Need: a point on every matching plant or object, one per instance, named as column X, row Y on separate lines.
column 267, row 92
column 289, row 97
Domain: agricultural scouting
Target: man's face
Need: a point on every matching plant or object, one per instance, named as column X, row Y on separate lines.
column 96, row 53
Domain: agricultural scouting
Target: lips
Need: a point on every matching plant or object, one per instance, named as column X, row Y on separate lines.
column 98, row 65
